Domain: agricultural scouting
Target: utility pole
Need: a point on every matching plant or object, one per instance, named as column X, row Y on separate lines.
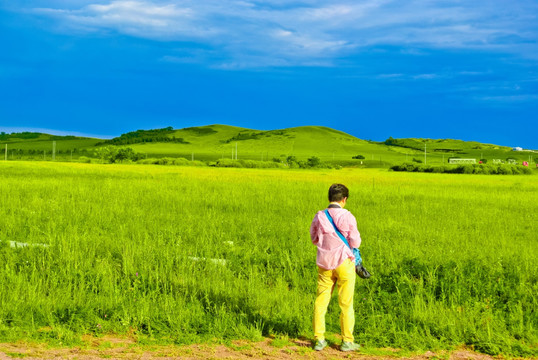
column 71, row 154
column 6, row 154
column 235, row 151
column 53, row 150
column 192, row 158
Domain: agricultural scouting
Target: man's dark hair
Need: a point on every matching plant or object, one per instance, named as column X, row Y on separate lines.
column 337, row 192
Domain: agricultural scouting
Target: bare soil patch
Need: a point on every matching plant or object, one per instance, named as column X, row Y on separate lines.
column 110, row 347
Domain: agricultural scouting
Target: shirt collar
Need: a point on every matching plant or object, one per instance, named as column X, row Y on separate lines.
column 334, row 206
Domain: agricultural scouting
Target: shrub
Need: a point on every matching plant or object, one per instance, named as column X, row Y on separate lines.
column 249, row 164
column 466, row 169
column 359, row 157
column 417, row 160
column 171, row 161
column 111, row 154
column 84, row 159
column 314, row 161
column 504, row 170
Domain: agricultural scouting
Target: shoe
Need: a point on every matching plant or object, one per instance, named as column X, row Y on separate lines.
column 349, row 346
column 320, row 345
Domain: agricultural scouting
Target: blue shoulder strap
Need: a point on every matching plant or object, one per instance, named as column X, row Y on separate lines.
column 336, row 229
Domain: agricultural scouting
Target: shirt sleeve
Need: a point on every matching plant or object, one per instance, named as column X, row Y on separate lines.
column 353, row 235
column 314, row 230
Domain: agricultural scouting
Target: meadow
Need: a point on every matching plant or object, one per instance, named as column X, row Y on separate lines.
column 184, row 254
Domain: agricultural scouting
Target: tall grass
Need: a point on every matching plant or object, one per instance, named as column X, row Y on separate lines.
column 453, row 256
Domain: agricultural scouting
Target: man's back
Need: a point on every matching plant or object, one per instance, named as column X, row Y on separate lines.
column 331, row 249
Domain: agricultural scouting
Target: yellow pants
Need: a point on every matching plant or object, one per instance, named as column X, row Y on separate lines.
column 344, row 276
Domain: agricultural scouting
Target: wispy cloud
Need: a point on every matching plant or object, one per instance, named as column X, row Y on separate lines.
column 310, row 31
column 509, row 98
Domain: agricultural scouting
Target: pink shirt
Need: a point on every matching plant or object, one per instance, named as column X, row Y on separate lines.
column 331, row 249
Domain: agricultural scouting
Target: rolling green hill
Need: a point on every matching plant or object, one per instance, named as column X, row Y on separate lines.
column 220, row 141
column 215, row 142
column 33, row 142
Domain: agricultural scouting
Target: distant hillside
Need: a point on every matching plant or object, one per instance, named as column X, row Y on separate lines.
column 142, row 136
column 214, row 142
column 33, row 136
column 443, row 145
column 219, row 141
column 35, row 141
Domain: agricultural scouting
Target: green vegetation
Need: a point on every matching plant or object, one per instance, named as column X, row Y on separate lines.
column 218, row 142
column 186, row 254
column 500, row 169
column 38, row 146
column 443, row 145
column 19, row 136
column 111, row 154
column 143, row 136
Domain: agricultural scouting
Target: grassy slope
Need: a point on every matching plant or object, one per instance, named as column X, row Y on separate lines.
column 213, row 142
column 44, row 142
column 302, row 142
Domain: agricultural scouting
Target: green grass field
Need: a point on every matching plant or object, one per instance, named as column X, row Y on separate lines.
column 453, row 256
column 213, row 142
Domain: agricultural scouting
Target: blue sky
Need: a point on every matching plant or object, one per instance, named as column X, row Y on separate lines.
column 433, row 69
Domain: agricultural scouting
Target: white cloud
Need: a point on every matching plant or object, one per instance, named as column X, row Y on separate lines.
column 425, row 76
column 510, row 98
column 390, row 76
column 309, row 31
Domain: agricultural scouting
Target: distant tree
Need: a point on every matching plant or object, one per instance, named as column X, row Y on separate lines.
column 107, row 153
column 124, row 154
column 360, row 157
column 291, row 159
column 417, row 160
column 313, row 161
column 390, row 141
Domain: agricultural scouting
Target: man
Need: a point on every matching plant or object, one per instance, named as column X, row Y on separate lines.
column 336, row 265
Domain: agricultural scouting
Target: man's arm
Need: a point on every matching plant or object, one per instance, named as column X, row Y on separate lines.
column 314, row 230
column 353, row 235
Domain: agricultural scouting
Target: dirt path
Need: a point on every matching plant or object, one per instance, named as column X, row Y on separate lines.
column 124, row 348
